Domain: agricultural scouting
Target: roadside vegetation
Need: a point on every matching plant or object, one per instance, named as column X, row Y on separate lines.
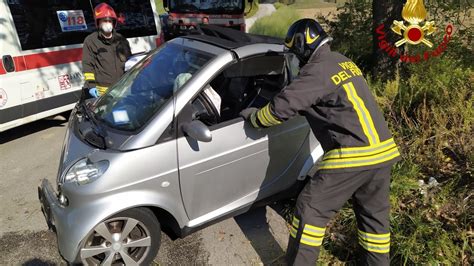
column 430, row 109
column 276, row 24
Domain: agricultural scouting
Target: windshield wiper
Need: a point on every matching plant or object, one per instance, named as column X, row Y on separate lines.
column 97, row 127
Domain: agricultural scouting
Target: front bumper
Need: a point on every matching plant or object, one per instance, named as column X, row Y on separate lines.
column 49, row 202
column 56, row 217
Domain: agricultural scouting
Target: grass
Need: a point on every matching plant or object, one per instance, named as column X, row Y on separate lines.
column 277, row 24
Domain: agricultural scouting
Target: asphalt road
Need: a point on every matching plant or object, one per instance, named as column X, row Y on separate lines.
column 31, row 152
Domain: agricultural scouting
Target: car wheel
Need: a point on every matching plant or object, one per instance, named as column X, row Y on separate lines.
column 131, row 237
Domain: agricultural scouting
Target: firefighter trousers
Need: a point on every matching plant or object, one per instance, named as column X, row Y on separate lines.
column 324, row 195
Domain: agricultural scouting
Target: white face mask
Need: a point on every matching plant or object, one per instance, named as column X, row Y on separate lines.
column 106, row 27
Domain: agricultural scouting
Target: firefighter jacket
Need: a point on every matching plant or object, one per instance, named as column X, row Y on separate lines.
column 103, row 60
column 333, row 95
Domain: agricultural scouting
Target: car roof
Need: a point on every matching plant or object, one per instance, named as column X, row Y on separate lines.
column 230, row 39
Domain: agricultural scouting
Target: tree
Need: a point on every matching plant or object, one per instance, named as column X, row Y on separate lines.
column 385, row 12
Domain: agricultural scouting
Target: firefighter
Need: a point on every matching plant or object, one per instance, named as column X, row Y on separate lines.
column 333, row 95
column 104, row 53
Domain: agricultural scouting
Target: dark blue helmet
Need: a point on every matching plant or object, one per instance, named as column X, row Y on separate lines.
column 304, row 37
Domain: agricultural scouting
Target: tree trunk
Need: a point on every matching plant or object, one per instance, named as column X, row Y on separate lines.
column 385, row 12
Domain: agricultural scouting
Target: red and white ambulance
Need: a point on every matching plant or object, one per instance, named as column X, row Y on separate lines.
column 41, row 51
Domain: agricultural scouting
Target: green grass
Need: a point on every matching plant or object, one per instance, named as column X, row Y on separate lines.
column 277, row 24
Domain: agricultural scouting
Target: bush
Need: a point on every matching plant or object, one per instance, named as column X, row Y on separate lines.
column 431, row 113
column 278, row 5
column 277, row 24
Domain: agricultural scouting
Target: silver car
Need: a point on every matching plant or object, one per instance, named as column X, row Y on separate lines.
column 165, row 149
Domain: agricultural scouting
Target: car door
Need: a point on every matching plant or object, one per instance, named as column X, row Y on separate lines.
column 239, row 165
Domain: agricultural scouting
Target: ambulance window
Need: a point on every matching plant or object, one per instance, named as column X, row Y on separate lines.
column 38, row 22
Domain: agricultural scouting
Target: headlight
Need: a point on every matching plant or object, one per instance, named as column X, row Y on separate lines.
column 84, row 171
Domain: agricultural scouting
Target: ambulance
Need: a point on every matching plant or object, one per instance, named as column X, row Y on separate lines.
column 41, row 51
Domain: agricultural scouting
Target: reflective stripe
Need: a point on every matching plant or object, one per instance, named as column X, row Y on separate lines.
column 89, row 76
column 271, row 117
column 311, row 241
column 377, row 248
column 101, row 90
column 362, row 161
column 266, row 117
column 263, row 119
column 314, row 230
column 293, row 232
column 310, row 40
column 295, row 222
column 365, row 118
column 253, row 120
column 374, row 238
column 360, row 151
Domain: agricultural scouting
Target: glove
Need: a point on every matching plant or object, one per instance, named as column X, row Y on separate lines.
column 250, row 115
column 93, row 92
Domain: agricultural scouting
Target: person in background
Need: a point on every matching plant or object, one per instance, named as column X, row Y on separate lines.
column 104, row 53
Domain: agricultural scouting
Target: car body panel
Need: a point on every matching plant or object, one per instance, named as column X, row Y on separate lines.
column 236, row 163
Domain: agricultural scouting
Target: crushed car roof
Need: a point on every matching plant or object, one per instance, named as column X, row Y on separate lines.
column 229, row 38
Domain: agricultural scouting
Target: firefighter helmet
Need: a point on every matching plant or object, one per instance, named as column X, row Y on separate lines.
column 103, row 10
column 304, row 37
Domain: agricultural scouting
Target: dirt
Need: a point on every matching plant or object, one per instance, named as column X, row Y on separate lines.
column 30, row 248
column 316, row 12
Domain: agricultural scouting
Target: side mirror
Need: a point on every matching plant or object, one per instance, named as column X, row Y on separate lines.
column 198, row 131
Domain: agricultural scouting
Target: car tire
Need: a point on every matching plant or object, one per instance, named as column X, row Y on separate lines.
column 132, row 234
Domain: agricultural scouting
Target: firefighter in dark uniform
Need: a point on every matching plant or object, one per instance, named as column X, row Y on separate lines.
column 333, row 95
column 104, row 53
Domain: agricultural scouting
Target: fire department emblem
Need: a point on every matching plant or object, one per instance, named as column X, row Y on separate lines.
column 3, row 98
column 414, row 13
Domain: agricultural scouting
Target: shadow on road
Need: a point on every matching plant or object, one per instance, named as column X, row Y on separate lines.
column 34, row 127
column 38, row 262
column 254, row 225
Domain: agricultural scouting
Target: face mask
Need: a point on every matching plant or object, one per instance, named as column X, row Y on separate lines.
column 106, row 27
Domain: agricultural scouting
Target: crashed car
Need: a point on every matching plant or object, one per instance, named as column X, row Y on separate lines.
column 164, row 150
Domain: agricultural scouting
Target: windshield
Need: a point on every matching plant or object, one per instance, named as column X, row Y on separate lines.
column 208, row 6
column 147, row 87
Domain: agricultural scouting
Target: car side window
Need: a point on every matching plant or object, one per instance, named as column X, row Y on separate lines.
column 252, row 82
